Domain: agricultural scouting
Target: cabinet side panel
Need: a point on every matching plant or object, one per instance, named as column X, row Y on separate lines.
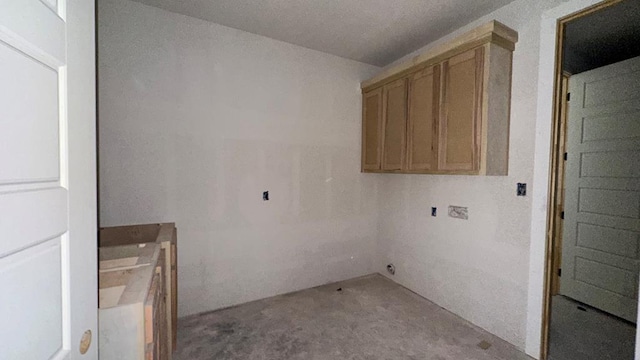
column 121, row 332
column 497, row 113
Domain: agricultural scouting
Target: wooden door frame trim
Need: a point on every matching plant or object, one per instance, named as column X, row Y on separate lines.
column 556, row 157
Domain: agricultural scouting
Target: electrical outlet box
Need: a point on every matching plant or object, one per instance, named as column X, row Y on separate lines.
column 522, row 189
column 459, row 212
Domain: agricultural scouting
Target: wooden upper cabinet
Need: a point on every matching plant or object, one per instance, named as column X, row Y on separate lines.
column 445, row 111
column 460, row 120
column 394, row 118
column 424, row 105
column 372, row 130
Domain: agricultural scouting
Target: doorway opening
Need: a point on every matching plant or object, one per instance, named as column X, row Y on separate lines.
column 593, row 257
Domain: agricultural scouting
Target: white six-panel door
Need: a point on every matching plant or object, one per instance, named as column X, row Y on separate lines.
column 47, row 180
column 601, row 240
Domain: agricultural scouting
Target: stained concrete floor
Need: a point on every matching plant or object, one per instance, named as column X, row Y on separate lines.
column 587, row 333
column 370, row 318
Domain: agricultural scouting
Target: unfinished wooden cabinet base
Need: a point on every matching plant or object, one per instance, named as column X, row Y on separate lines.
column 113, row 240
column 133, row 322
column 452, row 117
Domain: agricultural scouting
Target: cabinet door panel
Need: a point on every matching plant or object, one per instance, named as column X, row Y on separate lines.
column 459, row 129
column 395, row 124
column 372, row 130
column 424, row 98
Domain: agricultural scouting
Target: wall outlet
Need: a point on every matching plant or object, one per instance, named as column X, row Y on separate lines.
column 434, row 212
column 458, row 212
column 265, row 196
column 522, row 189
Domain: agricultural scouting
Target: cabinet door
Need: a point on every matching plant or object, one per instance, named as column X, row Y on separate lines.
column 371, row 129
column 460, row 120
column 424, row 99
column 395, row 124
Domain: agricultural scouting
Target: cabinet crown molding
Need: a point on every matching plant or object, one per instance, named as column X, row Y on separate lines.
column 491, row 32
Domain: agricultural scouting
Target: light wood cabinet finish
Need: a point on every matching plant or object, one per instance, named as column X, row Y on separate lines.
column 155, row 310
column 424, row 108
column 113, row 238
column 443, row 112
column 132, row 303
column 372, row 130
column 458, row 133
column 394, row 105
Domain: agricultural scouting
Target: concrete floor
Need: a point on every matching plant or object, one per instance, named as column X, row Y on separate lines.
column 588, row 335
column 370, row 318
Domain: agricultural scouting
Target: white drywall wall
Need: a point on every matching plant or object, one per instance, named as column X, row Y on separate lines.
column 237, row 114
column 196, row 120
column 478, row 268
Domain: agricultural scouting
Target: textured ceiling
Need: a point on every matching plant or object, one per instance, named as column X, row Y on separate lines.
column 604, row 37
column 376, row 32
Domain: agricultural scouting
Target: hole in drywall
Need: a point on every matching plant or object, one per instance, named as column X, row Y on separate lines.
column 391, row 269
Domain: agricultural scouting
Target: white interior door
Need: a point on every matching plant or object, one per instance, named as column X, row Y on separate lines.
column 47, row 179
column 602, row 197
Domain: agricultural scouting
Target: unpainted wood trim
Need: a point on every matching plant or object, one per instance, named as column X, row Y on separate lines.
column 425, row 172
column 493, row 31
column 478, row 121
column 442, row 130
column 484, row 129
column 551, row 195
column 588, row 11
column 560, row 179
column 436, row 115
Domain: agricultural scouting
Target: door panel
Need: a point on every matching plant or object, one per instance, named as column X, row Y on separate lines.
column 602, row 195
column 47, row 155
column 23, row 276
column 623, row 242
column 395, row 125
column 461, row 105
column 424, row 101
column 28, row 155
column 45, row 207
